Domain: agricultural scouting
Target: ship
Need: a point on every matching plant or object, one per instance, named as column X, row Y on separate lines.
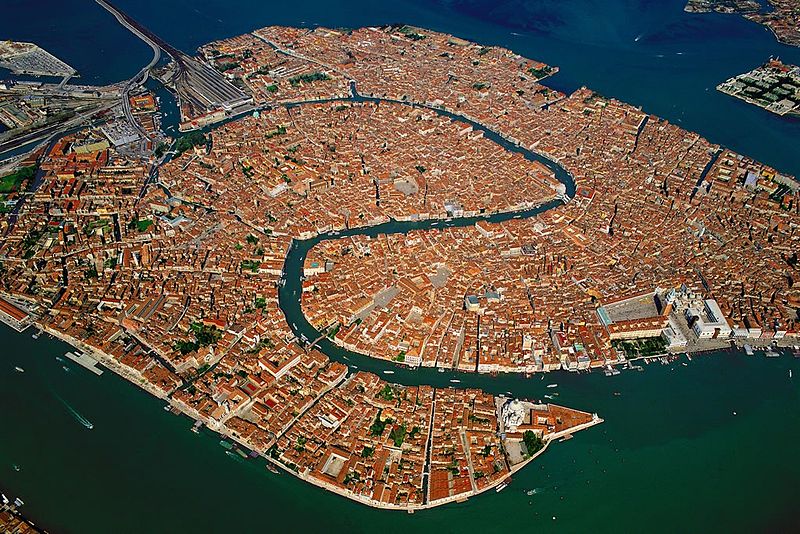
column 552, row 385
column 225, row 444
column 271, row 468
column 501, row 487
column 388, row 372
column 19, row 369
column 196, row 427
column 455, row 381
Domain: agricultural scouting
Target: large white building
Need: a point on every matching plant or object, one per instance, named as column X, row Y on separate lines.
column 708, row 322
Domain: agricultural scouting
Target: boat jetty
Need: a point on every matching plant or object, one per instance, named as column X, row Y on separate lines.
column 85, row 361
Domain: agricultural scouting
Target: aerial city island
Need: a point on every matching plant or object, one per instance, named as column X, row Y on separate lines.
column 417, row 198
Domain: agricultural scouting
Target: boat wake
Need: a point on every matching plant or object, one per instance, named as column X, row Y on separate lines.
column 74, row 413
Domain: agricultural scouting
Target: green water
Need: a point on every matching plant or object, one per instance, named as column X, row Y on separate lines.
column 670, row 455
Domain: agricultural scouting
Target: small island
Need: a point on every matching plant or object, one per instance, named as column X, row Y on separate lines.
column 773, row 86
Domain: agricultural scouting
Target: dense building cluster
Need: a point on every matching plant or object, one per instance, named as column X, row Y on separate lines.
column 655, row 207
column 170, row 273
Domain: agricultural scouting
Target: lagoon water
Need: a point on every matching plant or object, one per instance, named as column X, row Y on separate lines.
column 706, row 446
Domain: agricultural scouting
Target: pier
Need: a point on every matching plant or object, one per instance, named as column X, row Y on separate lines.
column 85, row 361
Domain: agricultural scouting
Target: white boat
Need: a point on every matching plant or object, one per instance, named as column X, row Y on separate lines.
column 552, row 385
column 501, row 487
column 19, row 369
column 5, row 499
column 18, row 502
column 388, row 372
column 440, row 370
column 455, row 381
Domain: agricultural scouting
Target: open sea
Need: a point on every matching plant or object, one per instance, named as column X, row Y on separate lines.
column 710, row 445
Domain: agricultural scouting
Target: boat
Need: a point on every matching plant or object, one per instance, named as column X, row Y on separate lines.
column 65, row 368
column 552, row 385
column 225, row 444
column 501, row 487
column 19, row 369
column 271, row 468
column 455, row 381
column 531, row 492
column 15, row 467
column 617, row 393
column 81, row 419
column 196, row 427
column 18, row 502
column 5, row 499
column 549, row 397
column 748, row 350
column 167, row 408
column 771, row 353
column 388, row 372
column 566, row 438
column 790, row 373
column 440, row 370
column 59, row 359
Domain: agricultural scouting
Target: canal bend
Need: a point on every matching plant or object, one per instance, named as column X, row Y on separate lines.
column 290, row 293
